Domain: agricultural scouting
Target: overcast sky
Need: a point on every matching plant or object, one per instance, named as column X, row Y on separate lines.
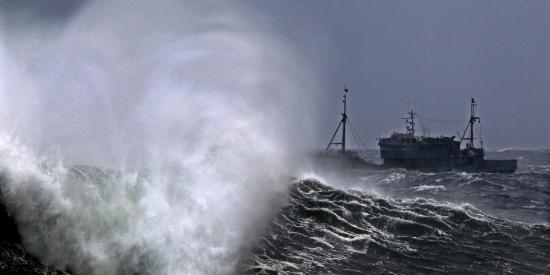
column 435, row 55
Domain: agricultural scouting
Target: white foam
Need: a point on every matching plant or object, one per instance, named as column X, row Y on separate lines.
column 433, row 188
column 160, row 84
column 393, row 177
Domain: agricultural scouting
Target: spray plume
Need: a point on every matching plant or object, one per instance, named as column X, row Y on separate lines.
column 203, row 96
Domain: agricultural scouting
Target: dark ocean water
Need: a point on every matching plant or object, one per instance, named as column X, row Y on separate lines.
column 404, row 222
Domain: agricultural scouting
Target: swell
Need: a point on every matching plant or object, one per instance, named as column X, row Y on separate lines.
column 327, row 230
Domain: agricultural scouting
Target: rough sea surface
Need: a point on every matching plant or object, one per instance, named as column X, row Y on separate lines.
column 409, row 222
column 333, row 221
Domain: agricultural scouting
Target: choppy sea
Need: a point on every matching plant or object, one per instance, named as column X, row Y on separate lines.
column 408, row 222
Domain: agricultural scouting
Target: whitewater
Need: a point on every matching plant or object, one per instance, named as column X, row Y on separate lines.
column 137, row 143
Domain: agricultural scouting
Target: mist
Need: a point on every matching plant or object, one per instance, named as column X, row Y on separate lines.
column 195, row 112
column 115, row 77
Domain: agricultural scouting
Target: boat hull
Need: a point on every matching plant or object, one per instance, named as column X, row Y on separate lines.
column 466, row 164
column 455, row 164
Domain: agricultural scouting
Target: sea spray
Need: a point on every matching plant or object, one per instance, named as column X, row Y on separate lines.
column 191, row 109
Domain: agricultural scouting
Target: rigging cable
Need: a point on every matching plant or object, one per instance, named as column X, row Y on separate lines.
column 360, row 151
column 334, row 135
column 360, row 143
column 480, row 139
column 440, row 120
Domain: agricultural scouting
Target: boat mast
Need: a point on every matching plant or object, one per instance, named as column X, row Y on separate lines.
column 471, row 122
column 409, row 122
column 342, row 124
column 344, row 121
column 473, row 119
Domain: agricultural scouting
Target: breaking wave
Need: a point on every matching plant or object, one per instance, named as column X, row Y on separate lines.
column 113, row 221
column 193, row 92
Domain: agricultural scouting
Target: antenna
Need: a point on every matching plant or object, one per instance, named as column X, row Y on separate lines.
column 425, row 130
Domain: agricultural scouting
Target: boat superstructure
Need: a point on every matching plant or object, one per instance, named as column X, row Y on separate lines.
column 444, row 153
